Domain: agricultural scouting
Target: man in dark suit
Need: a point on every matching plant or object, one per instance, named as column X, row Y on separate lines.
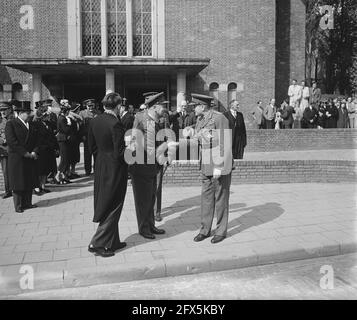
column 237, row 125
column 106, row 142
column 126, row 118
column 309, row 117
column 22, row 140
column 287, row 115
column 144, row 167
column 214, row 137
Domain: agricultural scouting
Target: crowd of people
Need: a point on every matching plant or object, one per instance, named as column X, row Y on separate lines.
column 305, row 109
column 43, row 147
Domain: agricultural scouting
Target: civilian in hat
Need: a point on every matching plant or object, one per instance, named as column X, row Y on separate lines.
column 237, row 125
column 6, row 114
column 64, row 135
column 106, row 142
column 144, row 167
column 215, row 138
column 87, row 116
column 23, row 146
column 48, row 150
column 315, row 95
column 50, row 119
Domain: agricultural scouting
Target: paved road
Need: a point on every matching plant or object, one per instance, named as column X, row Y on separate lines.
column 294, row 280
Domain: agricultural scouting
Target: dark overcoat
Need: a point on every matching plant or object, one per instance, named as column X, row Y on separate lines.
column 22, row 171
column 239, row 134
column 331, row 122
column 106, row 143
column 343, row 119
column 46, row 162
column 308, row 116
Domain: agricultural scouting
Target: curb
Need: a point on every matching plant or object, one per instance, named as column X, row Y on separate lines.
column 116, row 273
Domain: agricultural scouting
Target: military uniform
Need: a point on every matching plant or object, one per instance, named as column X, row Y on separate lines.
column 87, row 115
column 144, row 171
column 4, row 106
column 215, row 140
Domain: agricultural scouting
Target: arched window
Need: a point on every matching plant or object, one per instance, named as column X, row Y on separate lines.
column 17, row 91
column 213, row 90
column 232, row 92
column 1, row 92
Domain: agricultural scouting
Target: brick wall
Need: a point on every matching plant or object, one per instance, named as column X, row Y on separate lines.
column 300, row 139
column 48, row 38
column 298, row 171
column 238, row 37
column 260, row 45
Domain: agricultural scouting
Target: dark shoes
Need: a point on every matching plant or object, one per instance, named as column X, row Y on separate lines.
column 200, row 237
column 155, row 230
column 7, row 195
column 158, row 217
column 19, row 210
column 217, row 239
column 104, row 252
column 149, row 236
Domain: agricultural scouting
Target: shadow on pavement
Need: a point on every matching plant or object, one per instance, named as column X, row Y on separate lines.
column 190, row 209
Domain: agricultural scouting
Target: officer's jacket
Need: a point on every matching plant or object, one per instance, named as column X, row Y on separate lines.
column 3, row 144
column 215, row 140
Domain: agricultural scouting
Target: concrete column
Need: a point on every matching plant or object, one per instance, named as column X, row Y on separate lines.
column 36, row 88
column 109, row 81
column 181, row 86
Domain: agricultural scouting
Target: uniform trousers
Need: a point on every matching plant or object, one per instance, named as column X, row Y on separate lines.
column 158, row 199
column 215, row 200
column 144, row 189
column 5, row 173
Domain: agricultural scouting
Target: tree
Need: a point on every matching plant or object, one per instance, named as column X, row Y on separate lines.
column 335, row 47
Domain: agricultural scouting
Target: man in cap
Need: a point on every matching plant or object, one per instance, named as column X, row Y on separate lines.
column 215, row 139
column 87, row 115
column 5, row 116
column 106, row 142
column 22, row 140
column 144, row 167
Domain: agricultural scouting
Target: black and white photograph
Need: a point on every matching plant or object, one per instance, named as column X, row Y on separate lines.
column 196, row 151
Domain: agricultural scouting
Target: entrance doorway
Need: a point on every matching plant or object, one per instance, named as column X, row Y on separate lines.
column 135, row 96
column 79, row 92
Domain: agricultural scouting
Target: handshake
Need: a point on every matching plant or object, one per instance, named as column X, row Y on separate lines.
column 31, row 155
column 166, row 152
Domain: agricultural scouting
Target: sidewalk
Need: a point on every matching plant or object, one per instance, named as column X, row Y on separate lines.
column 267, row 223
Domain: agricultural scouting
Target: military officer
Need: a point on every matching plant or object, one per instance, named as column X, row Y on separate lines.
column 87, row 115
column 215, row 139
column 22, row 140
column 144, row 168
column 6, row 115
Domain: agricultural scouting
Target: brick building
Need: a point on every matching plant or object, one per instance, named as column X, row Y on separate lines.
column 249, row 49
